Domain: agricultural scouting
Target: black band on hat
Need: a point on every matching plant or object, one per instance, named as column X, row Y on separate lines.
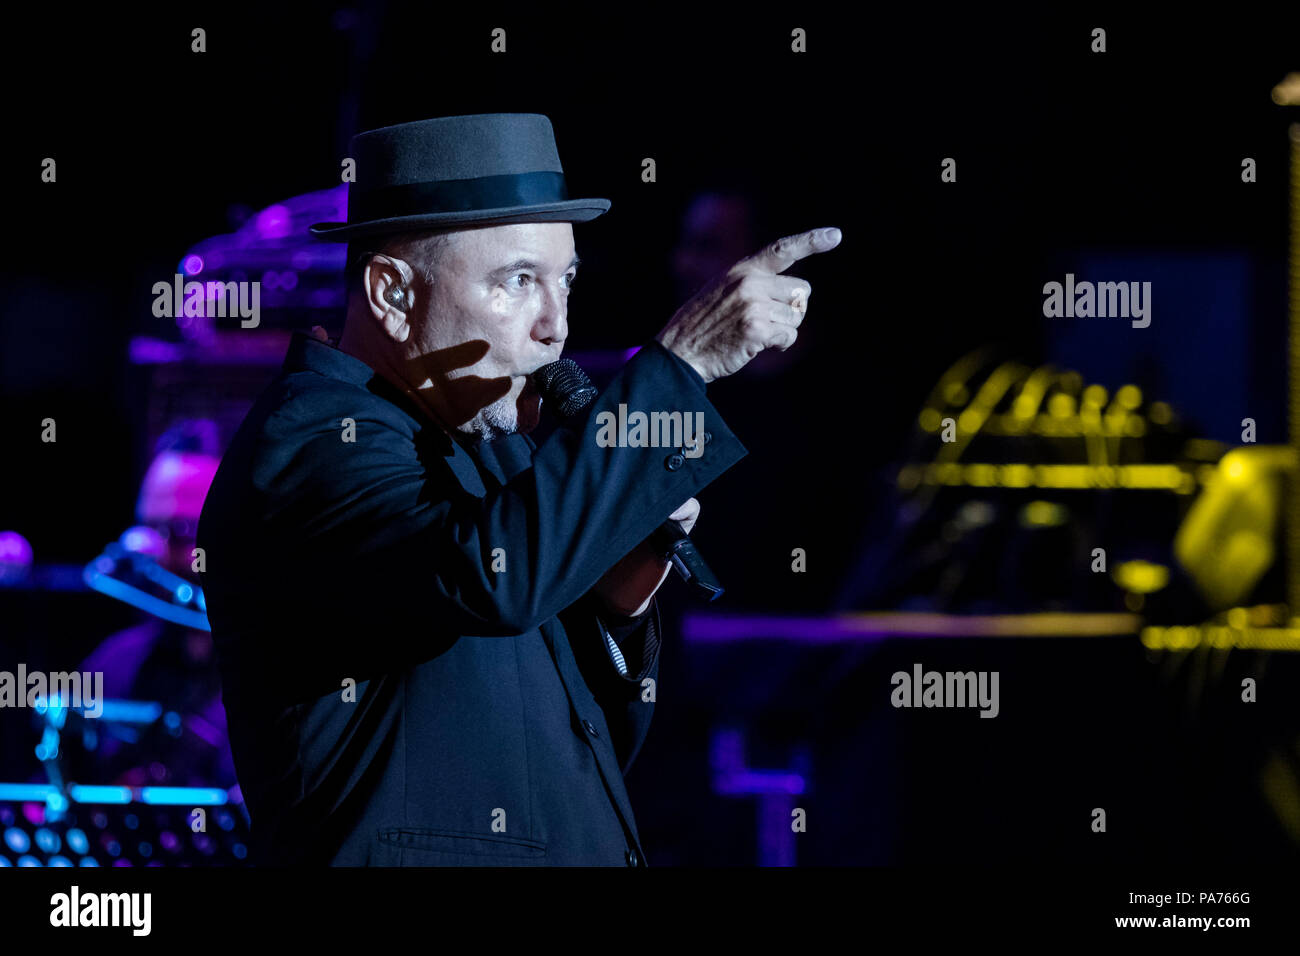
column 457, row 195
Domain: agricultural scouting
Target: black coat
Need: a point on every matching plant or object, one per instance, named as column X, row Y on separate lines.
column 488, row 723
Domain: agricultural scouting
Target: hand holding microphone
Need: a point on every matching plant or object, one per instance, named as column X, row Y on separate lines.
column 629, row 585
column 566, row 387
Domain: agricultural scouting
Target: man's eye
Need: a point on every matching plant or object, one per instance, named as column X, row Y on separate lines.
column 571, row 276
column 523, row 276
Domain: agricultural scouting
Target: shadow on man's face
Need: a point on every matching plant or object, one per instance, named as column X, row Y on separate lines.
column 462, row 397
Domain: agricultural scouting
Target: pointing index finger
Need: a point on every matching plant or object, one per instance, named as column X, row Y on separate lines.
column 786, row 251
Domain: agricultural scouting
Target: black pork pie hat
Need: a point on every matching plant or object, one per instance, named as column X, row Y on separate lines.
column 479, row 170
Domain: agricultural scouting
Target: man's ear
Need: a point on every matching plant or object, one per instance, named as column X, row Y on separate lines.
column 387, row 285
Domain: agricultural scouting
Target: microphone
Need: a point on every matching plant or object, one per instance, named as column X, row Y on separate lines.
column 565, row 385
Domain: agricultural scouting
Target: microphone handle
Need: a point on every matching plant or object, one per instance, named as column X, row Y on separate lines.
column 567, row 385
column 671, row 541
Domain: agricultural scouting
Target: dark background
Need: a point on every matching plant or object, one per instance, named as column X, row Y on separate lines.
column 1063, row 156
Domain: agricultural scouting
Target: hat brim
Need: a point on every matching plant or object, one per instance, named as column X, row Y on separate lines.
column 570, row 210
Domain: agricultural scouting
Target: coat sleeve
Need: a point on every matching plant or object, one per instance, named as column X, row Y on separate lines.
column 627, row 700
column 378, row 534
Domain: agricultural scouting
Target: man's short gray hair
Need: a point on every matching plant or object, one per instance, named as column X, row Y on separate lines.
column 423, row 251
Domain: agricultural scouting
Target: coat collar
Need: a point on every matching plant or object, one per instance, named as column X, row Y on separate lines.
column 308, row 353
column 503, row 458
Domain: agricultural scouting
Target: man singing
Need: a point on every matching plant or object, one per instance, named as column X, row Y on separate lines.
column 438, row 640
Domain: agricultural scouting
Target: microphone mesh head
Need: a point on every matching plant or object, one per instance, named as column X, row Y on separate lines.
column 566, row 386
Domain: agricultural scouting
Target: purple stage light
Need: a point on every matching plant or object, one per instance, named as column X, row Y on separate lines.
column 15, row 556
column 193, row 265
column 758, row 782
column 887, row 625
column 147, row 351
column 273, row 222
column 15, row 548
column 142, row 539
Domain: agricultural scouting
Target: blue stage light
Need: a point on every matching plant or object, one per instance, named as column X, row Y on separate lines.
column 84, row 793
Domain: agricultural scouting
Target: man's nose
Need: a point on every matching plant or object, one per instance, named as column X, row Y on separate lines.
column 552, row 326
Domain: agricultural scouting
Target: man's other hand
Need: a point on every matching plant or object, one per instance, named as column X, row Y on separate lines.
column 628, row 586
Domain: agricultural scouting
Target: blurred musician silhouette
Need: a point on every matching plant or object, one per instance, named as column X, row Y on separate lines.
column 168, row 662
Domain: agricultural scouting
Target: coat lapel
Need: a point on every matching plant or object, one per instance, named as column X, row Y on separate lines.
column 504, row 458
column 583, row 702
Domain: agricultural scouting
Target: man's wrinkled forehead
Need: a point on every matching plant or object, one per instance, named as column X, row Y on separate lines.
column 539, row 244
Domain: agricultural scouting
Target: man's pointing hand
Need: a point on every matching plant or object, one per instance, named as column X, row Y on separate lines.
column 748, row 308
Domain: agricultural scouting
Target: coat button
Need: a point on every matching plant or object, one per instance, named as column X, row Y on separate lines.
column 591, row 728
column 632, row 857
column 673, row 462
